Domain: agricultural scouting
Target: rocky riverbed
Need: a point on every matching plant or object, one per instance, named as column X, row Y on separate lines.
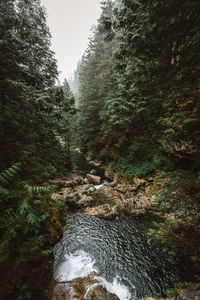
column 106, row 200
column 89, row 288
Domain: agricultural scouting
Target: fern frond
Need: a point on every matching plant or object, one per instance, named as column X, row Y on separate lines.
column 39, row 189
column 7, row 175
column 4, row 192
column 32, row 219
column 24, row 206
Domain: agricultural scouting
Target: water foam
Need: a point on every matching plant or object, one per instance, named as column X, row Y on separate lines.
column 117, row 288
column 98, row 186
column 79, row 264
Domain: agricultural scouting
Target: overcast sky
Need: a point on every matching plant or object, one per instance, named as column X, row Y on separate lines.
column 70, row 22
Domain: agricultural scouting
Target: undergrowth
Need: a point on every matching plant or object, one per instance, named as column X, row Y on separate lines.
column 30, row 223
column 178, row 205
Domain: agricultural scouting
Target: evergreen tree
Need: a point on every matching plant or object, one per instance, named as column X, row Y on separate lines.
column 96, row 80
column 30, row 109
column 34, row 116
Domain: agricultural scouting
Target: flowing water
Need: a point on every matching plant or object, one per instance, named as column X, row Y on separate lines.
column 120, row 254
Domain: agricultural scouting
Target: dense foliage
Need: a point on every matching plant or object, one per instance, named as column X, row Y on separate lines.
column 30, row 223
column 139, row 80
column 34, row 129
column 32, row 107
column 138, row 97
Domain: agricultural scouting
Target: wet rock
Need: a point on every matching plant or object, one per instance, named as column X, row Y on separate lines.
column 72, row 199
column 64, row 291
column 92, row 189
column 87, row 288
column 85, row 181
column 192, row 292
column 85, row 188
column 109, row 201
column 107, row 194
column 86, row 201
column 78, row 180
column 93, row 172
column 105, row 211
column 93, row 179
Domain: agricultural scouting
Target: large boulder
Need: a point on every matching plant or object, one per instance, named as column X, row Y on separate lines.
column 108, row 201
column 179, row 148
column 87, row 288
column 105, row 211
column 93, row 179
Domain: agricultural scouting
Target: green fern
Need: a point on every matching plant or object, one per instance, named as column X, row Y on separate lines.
column 5, row 178
column 24, row 206
column 48, row 190
column 7, row 175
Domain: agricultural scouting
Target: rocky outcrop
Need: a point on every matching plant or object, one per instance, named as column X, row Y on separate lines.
column 74, row 180
column 110, row 200
column 115, row 203
column 93, row 179
column 179, row 148
column 87, row 288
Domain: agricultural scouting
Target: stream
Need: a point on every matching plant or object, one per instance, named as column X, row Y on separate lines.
column 119, row 252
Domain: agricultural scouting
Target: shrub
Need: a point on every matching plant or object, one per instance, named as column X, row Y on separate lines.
column 127, row 169
column 30, row 223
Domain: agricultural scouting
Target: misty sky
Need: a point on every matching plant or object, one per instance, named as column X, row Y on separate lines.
column 70, row 22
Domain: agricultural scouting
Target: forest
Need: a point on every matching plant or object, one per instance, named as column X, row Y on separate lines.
column 133, row 103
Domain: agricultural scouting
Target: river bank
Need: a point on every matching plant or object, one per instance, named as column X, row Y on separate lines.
column 81, row 193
